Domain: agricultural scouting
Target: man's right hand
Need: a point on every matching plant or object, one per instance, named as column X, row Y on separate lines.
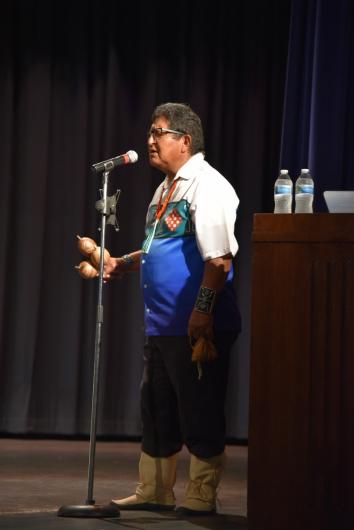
column 113, row 269
column 117, row 267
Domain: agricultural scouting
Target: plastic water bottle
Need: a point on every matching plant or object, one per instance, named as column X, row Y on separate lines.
column 283, row 193
column 304, row 190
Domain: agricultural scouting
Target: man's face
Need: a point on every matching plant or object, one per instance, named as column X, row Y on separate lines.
column 166, row 150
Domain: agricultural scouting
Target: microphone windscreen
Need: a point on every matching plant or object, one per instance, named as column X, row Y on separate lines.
column 133, row 156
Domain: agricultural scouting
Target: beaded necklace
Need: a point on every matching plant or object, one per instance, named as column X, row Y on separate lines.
column 162, row 206
column 160, row 210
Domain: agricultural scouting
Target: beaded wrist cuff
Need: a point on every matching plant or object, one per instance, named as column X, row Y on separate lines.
column 128, row 260
column 205, row 300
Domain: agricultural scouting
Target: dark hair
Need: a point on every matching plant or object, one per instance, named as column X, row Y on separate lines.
column 182, row 118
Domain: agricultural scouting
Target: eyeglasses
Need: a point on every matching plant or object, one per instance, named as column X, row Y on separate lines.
column 157, row 132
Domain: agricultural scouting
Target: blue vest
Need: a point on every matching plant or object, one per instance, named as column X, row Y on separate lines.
column 172, row 272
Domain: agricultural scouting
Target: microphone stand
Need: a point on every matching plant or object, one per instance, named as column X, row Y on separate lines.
column 106, row 206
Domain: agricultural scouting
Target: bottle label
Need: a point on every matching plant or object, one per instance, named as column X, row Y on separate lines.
column 305, row 188
column 282, row 188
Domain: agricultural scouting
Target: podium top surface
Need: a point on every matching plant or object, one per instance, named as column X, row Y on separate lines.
column 315, row 227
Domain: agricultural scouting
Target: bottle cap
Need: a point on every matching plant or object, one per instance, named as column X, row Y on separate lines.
column 305, row 171
column 283, row 171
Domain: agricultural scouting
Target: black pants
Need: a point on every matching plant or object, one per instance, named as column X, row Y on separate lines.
column 178, row 408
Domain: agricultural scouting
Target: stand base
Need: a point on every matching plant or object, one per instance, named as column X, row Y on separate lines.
column 89, row 510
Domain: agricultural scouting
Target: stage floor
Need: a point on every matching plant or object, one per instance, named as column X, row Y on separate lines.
column 39, row 476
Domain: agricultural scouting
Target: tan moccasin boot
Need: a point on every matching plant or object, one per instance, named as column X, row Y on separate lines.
column 204, row 478
column 154, row 491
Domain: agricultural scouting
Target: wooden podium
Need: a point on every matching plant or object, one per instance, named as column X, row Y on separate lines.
column 301, row 434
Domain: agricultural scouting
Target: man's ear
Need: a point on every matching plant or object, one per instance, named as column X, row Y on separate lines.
column 186, row 143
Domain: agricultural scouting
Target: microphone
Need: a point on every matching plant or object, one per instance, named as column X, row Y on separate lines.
column 107, row 165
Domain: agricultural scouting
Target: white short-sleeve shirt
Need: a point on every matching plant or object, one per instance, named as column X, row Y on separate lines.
column 198, row 225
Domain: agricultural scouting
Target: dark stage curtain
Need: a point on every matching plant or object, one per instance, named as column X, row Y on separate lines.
column 78, row 83
column 318, row 125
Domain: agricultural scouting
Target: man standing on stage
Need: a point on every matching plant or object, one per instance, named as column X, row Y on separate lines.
column 186, row 277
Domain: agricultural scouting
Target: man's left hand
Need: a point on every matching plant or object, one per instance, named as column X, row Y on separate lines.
column 200, row 325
